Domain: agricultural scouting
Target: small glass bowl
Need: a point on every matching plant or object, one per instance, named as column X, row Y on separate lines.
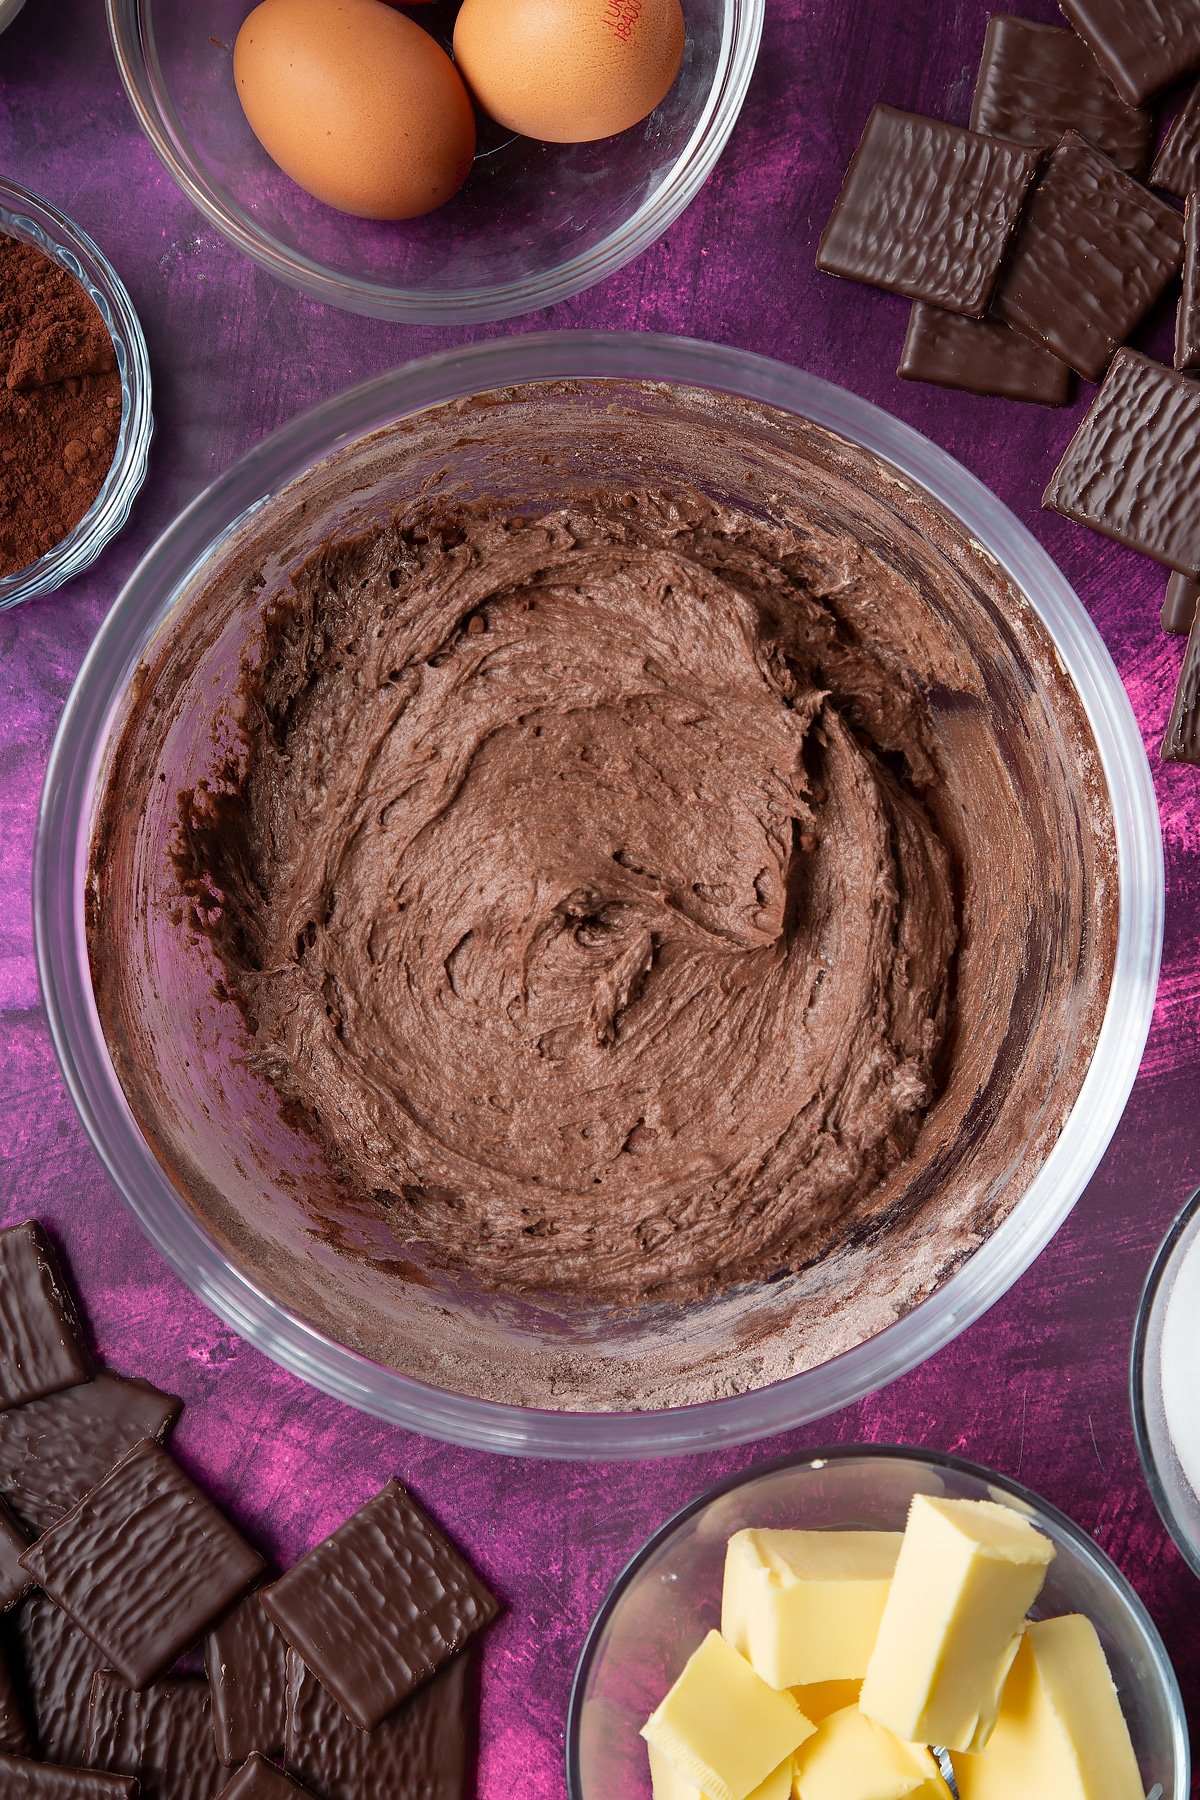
column 24, row 215
column 8, row 12
column 534, row 224
column 1174, row 1494
column 661, row 1606
column 314, row 464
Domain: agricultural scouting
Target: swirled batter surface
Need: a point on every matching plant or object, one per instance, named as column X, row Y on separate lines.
column 579, row 886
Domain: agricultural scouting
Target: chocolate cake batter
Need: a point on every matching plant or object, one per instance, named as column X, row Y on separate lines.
column 804, row 904
column 581, row 882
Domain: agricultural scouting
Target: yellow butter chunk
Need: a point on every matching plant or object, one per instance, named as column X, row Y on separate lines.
column 850, row 1757
column 804, row 1606
column 1060, row 1733
column 967, row 1573
column 721, row 1727
column 668, row 1784
column 817, row 1699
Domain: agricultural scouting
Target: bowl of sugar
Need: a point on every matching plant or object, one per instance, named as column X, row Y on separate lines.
column 1164, row 1391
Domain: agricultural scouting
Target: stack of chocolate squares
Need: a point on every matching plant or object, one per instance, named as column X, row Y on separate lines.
column 1032, row 251
column 349, row 1678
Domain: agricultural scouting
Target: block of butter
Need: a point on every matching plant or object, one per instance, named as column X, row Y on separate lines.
column 967, row 1573
column 805, row 1606
column 668, row 1784
column 1060, row 1733
column 817, row 1699
column 721, row 1727
column 850, row 1757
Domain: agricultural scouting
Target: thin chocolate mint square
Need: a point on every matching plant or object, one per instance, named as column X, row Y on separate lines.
column 1144, row 45
column 143, row 1564
column 40, row 1341
column 15, row 1582
column 15, row 1736
column 53, row 1451
column 1187, row 314
column 246, row 1660
column 258, row 1779
column 1179, row 604
column 424, row 1751
column 1132, row 470
column 1177, row 165
column 380, row 1606
column 59, row 1663
column 1182, row 740
column 21, row 1779
column 1094, row 252
column 927, row 209
column 162, row 1735
column 980, row 356
column 1037, row 81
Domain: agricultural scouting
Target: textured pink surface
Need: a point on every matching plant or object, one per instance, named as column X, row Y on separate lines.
column 1038, row 1387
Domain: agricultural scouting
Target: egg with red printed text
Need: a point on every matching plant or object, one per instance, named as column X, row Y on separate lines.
column 568, row 71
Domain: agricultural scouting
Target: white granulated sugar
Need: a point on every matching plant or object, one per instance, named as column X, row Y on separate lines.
column 1181, row 1365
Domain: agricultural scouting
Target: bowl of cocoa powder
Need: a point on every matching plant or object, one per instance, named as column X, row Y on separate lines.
column 75, row 419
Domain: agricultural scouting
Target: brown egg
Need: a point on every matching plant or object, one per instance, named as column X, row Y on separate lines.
column 356, row 103
column 569, row 70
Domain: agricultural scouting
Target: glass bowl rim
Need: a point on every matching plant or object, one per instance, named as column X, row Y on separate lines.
column 62, row 959
column 1081, row 1542
column 1148, row 1301
column 109, row 511
column 742, row 27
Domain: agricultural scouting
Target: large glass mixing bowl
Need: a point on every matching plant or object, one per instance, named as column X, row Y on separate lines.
column 534, row 224
column 224, row 1183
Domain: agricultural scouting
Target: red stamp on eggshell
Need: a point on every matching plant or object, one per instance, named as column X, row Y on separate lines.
column 621, row 16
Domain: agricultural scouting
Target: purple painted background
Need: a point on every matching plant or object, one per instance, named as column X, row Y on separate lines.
column 1038, row 1387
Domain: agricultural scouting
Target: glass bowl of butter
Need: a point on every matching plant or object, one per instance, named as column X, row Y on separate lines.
column 871, row 1620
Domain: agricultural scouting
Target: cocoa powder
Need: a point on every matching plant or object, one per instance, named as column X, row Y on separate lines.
column 60, row 403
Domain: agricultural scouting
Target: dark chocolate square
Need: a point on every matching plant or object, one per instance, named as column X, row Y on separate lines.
column 1144, row 45
column 21, row 1779
column 53, row 1451
column 143, row 1564
column 59, row 1663
column 15, row 1582
column 1132, row 470
column 1182, row 740
column 246, row 1659
column 40, row 1341
column 261, row 1780
column 980, row 356
column 1179, row 604
column 927, row 209
column 1177, row 165
column 163, row 1735
column 1094, row 252
column 1037, row 81
column 424, row 1751
column 15, row 1736
column 380, row 1606
column 1187, row 314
